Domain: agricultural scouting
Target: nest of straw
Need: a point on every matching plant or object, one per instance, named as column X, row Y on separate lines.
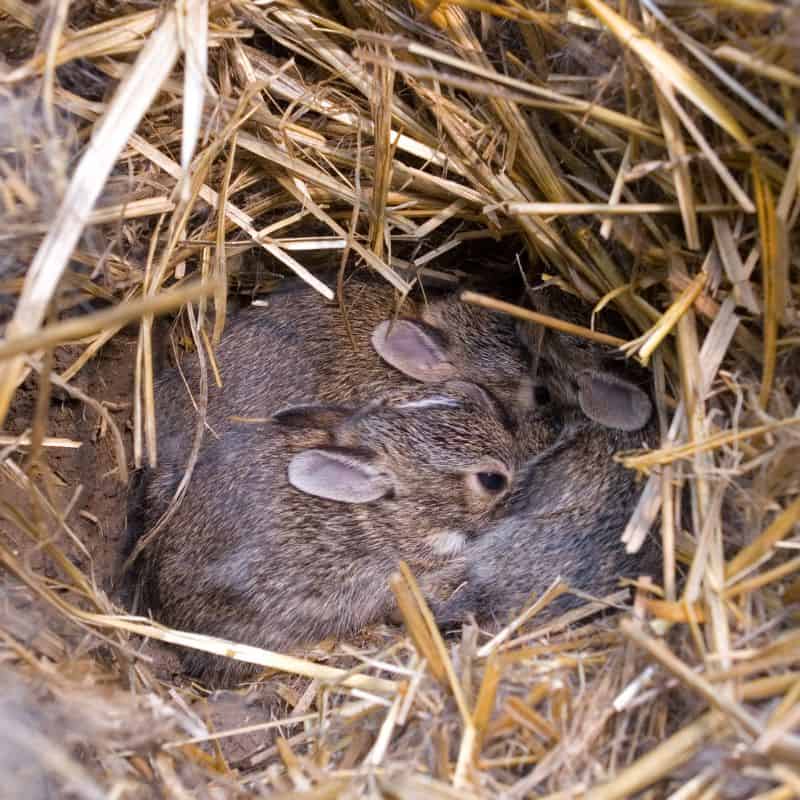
column 642, row 155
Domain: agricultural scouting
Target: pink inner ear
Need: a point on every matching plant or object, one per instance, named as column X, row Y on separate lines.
column 614, row 402
column 338, row 475
column 407, row 346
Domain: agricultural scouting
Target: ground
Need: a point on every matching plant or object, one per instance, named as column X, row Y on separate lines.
column 97, row 520
column 98, row 516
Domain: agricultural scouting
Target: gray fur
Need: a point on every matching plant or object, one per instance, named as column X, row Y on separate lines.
column 299, row 350
column 569, row 506
column 570, row 502
column 584, row 374
column 248, row 557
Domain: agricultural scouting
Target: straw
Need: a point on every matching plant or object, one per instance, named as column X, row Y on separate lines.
column 643, row 157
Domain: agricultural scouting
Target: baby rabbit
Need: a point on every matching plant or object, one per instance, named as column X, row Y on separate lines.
column 567, row 510
column 582, row 373
column 571, row 502
column 290, row 532
column 300, row 350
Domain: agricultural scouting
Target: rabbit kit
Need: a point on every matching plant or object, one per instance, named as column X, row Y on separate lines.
column 476, row 449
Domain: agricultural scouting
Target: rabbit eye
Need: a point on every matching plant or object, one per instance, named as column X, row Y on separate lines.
column 542, row 395
column 492, row 481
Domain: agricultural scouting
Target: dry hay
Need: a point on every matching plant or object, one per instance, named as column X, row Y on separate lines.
column 645, row 155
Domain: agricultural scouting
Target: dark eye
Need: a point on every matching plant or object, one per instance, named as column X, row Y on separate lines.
column 492, row 481
column 542, row 395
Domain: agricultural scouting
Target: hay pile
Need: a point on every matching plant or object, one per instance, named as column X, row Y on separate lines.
column 645, row 155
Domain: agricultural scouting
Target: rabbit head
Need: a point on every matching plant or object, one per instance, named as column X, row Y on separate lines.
column 453, row 340
column 294, row 528
column 454, row 442
column 563, row 519
column 582, row 373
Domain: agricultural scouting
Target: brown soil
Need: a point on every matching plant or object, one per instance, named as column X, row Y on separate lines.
column 98, row 516
column 98, row 521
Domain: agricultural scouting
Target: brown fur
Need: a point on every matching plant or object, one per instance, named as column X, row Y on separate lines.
column 298, row 350
column 249, row 558
column 564, row 519
column 275, row 567
column 582, row 373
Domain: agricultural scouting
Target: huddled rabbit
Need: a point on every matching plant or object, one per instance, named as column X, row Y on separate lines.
column 302, row 349
column 583, row 373
column 290, row 531
column 570, row 502
column 294, row 527
column 564, row 518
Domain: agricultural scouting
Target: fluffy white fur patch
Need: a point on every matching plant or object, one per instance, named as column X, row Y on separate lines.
column 438, row 401
column 449, row 543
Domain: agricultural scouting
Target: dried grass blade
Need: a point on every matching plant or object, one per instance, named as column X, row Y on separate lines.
column 728, row 251
column 340, row 63
column 672, row 316
column 668, row 455
column 415, row 625
column 438, row 644
column 702, row 55
column 378, row 753
column 791, row 185
column 751, row 6
column 617, row 189
column 778, row 529
column 544, row 172
column 284, row 86
column 758, row 65
column 131, row 100
column 409, row 785
column 674, row 611
column 384, row 156
column 71, row 330
column 554, row 591
column 707, row 149
column 658, row 61
column 56, row 24
column 193, row 34
column 661, row 760
column 235, row 214
column 484, row 301
column 611, row 209
column 680, row 171
column 220, row 257
column 691, row 679
column 774, row 288
column 528, row 94
column 714, row 349
column 369, row 257
column 48, row 441
column 764, row 579
column 147, row 207
column 121, row 35
column 20, row 11
column 486, row 695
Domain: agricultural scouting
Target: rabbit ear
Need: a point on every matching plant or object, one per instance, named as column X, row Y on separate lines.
column 613, row 402
column 346, row 475
column 415, row 348
column 315, row 417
